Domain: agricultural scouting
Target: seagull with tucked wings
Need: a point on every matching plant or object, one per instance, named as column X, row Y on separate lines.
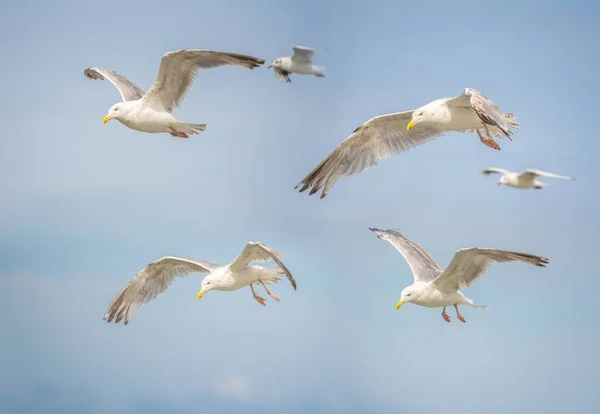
column 155, row 278
column 524, row 180
column 151, row 112
column 436, row 288
column 300, row 63
column 385, row 135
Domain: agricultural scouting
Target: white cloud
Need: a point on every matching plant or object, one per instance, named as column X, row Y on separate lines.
column 235, row 386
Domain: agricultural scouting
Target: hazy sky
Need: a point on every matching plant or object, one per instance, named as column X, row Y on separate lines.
column 85, row 206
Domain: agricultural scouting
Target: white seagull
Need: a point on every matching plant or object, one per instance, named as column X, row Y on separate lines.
column 301, row 63
column 151, row 111
column 157, row 276
column 384, row 135
column 527, row 179
column 436, row 288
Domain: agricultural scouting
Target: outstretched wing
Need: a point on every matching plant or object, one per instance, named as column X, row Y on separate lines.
column 179, row 69
column 129, row 91
column 492, row 170
column 258, row 252
column 376, row 139
column 150, row 282
column 303, row 54
column 423, row 267
column 532, row 174
column 282, row 75
column 486, row 110
column 468, row 265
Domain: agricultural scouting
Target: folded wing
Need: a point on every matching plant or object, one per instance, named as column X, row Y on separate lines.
column 258, row 252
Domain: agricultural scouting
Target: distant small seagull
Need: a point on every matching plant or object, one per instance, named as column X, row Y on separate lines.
column 384, row 135
column 157, row 276
column 435, row 288
column 527, row 179
column 300, row 63
column 151, row 112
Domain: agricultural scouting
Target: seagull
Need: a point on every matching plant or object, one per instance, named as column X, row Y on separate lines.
column 436, row 288
column 151, row 111
column 384, row 135
column 157, row 276
column 300, row 63
column 527, row 179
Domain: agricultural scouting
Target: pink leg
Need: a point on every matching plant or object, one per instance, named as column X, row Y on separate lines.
column 445, row 315
column 269, row 292
column 258, row 298
column 180, row 134
column 458, row 315
column 489, row 142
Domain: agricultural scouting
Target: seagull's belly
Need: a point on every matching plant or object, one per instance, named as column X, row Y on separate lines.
column 149, row 121
column 437, row 299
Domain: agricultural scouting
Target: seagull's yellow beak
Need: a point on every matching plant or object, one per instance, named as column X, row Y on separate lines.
column 410, row 125
column 400, row 303
column 202, row 292
column 106, row 119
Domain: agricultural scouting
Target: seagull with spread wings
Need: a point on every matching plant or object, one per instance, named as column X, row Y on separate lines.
column 300, row 63
column 157, row 276
column 385, row 135
column 151, row 111
column 436, row 288
column 527, row 179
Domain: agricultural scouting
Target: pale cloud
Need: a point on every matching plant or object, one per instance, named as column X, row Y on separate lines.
column 235, row 386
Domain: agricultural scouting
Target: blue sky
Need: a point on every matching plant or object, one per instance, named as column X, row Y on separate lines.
column 85, row 206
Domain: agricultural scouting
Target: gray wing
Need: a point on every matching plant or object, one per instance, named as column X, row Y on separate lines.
column 258, row 252
column 468, row 265
column 150, row 282
column 129, row 91
column 376, row 139
column 303, row 54
column 486, row 110
column 492, row 170
column 179, row 69
column 423, row 267
column 532, row 174
column 282, row 75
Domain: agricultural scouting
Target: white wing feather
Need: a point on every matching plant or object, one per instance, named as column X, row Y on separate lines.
column 376, row 139
column 179, row 69
column 468, row 265
column 129, row 90
column 150, row 282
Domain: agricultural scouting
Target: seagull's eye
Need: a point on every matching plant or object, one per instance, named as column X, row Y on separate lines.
column 208, row 283
column 116, row 109
column 408, row 294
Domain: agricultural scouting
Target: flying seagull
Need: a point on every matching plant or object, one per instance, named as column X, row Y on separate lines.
column 527, row 179
column 301, row 63
column 151, row 111
column 384, row 135
column 157, row 276
column 436, row 288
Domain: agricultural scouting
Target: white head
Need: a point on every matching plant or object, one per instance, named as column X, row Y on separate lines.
column 408, row 294
column 210, row 282
column 425, row 115
column 503, row 180
column 276, row 63
column 417, row 116
column 117, row 111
